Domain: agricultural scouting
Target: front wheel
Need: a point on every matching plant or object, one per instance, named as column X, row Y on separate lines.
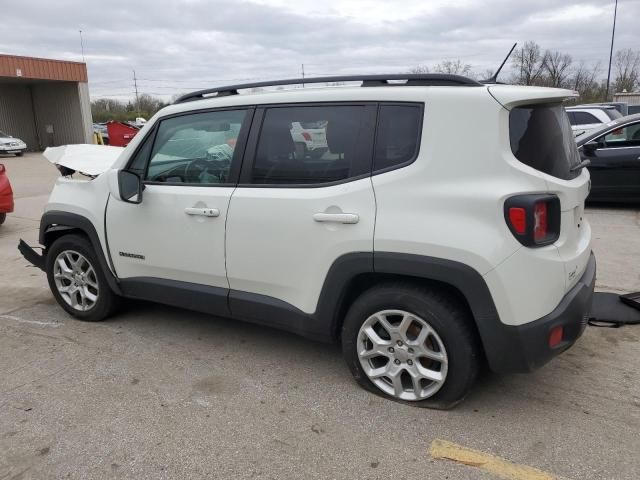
column 77, row 281
column 412, row 345
column 3, row 217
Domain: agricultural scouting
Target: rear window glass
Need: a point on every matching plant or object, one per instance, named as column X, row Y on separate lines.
column 613, row 113
column 541, row 137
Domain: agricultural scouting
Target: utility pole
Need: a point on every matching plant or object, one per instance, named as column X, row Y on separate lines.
column 135, row 85
column 613, row 34
column 302, row 65
column 81, row 46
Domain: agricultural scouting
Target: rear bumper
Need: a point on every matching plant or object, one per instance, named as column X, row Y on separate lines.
column 526, row 347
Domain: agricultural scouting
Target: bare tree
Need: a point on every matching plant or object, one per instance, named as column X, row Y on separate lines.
column 528, row 63
column 453, row 67
column 420, row 69
column 557, row 67
column 627, row 68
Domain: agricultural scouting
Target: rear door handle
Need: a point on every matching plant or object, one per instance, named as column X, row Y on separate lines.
column 205, row 212
column 336, row 217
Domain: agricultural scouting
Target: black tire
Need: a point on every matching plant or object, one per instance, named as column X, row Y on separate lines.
column 443, row 312
column 107, row 302
column 3, row 217
column 19, row 154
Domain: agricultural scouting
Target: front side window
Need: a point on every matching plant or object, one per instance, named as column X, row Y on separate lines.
column 541, row 137
column 309, row 145
column 196, row 148
column 397, row 136
column 628, row 136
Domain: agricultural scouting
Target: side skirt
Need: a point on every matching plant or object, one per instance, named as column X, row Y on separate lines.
column 244, row 306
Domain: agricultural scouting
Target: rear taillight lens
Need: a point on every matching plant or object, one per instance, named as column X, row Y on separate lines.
column 540, row 221
column 307, row 136
column 518, row 219
column 533, row 219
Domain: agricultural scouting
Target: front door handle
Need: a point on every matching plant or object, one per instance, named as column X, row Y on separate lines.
column 205, row 212
column 336, row 217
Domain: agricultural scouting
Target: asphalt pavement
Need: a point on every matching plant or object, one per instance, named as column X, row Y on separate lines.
column 159, row 392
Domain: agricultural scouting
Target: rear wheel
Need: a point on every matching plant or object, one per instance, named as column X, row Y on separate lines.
column 19, row 154
column 77, row 280
column 412, row 345
column 3, row 217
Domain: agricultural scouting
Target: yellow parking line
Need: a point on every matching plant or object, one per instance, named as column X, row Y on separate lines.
column 495, row 465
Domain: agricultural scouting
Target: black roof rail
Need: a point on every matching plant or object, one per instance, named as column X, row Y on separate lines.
column 411, row 79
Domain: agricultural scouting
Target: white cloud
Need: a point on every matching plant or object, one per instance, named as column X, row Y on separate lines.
column 179, row 45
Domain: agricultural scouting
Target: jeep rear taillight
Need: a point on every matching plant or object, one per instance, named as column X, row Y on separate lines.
column 540, row 221
column 533, row 219
column 306, row 136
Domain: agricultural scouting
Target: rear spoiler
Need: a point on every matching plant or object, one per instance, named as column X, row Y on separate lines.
column 510, row 96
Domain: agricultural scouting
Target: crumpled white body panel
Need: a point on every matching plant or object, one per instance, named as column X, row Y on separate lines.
column 87, row 159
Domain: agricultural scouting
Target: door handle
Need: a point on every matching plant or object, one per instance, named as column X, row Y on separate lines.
column 205, row 212
column 336, row 217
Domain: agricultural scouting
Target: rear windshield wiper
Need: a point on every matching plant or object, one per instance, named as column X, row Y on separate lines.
column 580, row 166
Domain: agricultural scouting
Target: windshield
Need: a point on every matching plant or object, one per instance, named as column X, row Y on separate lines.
column 541, row 137
column 2, row 134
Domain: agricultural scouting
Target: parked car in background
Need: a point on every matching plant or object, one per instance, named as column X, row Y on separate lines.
column 310, row 138
column 614, row 153
column 584, row 118
column 6, row 195
column 9, row 144
column 622, row 107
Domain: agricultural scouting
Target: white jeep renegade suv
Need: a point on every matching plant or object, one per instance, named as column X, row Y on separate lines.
column 425, row 253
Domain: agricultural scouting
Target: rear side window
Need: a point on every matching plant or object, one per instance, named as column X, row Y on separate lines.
column 541, row 137
column 584, row 118
column 310, row 145
column 397, row 136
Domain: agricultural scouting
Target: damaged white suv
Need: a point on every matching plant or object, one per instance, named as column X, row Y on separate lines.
column 426, row 252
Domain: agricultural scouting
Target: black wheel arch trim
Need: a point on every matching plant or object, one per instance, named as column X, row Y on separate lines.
column 469, row 283
column 465, row 279
column 56, row 221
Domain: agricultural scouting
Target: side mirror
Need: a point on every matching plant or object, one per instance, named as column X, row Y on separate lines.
column 590, row 147
column 130, row 187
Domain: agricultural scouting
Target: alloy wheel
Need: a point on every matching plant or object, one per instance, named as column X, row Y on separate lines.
column 76, row 280
column 402, row 355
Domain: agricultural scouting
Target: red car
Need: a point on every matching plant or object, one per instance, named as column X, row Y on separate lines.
column 6, row 195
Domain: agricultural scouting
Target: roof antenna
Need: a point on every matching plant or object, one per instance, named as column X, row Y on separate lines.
column 494, row 78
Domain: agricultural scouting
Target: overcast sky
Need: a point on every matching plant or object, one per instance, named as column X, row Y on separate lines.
column 181, row 45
